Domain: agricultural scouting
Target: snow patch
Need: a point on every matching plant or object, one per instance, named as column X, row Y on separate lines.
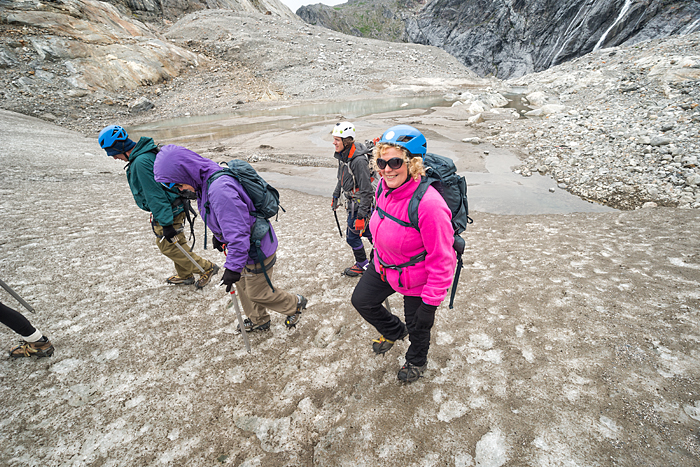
column 66, row 366
column 451, row 410
column 491, row 450
column 444, row 338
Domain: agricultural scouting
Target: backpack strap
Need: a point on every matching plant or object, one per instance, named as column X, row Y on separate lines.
column 415, row 201
column 400, row 267
column 213, row 177
column 261, row 227
column 190, row 215
column 382, row 214
column 458, row 245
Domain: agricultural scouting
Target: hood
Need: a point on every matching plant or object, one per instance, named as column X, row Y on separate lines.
column 144, row 145
column 175, row 164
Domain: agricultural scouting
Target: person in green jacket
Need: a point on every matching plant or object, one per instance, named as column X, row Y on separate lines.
column 166, row 208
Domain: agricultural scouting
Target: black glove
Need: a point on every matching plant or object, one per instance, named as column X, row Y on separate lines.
column 217, row 244
column 425, row 317
column 169, row 233
column 229, row 278
column 334, row 203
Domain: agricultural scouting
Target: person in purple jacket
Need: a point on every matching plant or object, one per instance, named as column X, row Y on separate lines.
column 226, row 209
column 417, row 263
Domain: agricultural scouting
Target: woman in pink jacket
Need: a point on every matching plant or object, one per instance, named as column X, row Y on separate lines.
column 417, row 263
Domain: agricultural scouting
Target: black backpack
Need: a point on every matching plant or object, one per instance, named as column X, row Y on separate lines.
column 441, row 173
column 265, row 198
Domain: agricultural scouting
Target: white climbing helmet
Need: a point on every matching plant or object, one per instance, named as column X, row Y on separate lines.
column 344, row 130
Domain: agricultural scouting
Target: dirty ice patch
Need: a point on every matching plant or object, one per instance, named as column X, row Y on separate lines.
column 491, row 449
column 235, row 375
column 683, row 264
column 481, row 340
column 66, row 366
column 253, row 462
column 492, row 356
column 393, row 448
column 693, row 411
column 272, row 434
column 552, row 451
column 111, row 354
column 608, row 427
column 444, row 338
column 451, row 410
column 179, row 451
column 675, row 363
column 528, row 355
column 463, row 459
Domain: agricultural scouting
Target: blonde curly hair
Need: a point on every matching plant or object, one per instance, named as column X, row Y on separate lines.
column 415, row 164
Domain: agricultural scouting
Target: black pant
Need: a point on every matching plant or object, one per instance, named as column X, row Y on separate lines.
column 15, row 321
column 367, row 299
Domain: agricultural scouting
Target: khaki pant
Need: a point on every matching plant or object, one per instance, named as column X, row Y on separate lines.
column 256, row 295
column 183, row 266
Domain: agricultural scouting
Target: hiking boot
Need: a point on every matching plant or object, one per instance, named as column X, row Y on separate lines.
column 177, row 280
column 206, row 277
column 383, row 345
column 32, row 349
column 250, row 327
column 356, row 269
column 291, row 321
column 410, row 372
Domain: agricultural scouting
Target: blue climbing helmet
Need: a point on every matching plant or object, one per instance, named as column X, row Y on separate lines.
column 115, row 140
column 407, row 137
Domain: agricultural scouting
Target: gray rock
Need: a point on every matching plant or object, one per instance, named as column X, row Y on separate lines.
column 660, row 141
column 7, row 57
column 141, row 105
column 693, row 180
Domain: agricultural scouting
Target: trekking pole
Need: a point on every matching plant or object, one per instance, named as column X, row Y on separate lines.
column 188, row 255
column 14, row 294
column 386, row 305
column 338, row 224
column 234, row 302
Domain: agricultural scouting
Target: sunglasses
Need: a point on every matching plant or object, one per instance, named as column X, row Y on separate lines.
column 393, row 163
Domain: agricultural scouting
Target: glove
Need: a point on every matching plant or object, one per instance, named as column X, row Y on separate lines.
column 334, row 203
column 425, row 317
column 360, row 225
column 229, row 278
column 217, row 244
column 169, row 233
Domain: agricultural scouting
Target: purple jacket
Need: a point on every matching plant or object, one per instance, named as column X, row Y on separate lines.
column 229, row 206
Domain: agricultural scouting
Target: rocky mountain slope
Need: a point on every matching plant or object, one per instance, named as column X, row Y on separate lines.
column 86, row 63
column 513, row 38
column 376, row 19
column 171, row 10
column 510, row 40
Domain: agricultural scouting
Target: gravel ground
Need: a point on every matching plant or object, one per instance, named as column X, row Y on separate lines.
column 573, row 340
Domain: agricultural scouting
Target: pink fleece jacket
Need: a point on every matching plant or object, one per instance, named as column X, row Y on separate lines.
column 396, row 244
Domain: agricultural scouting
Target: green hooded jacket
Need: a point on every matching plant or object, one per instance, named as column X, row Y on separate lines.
column 150, row 195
